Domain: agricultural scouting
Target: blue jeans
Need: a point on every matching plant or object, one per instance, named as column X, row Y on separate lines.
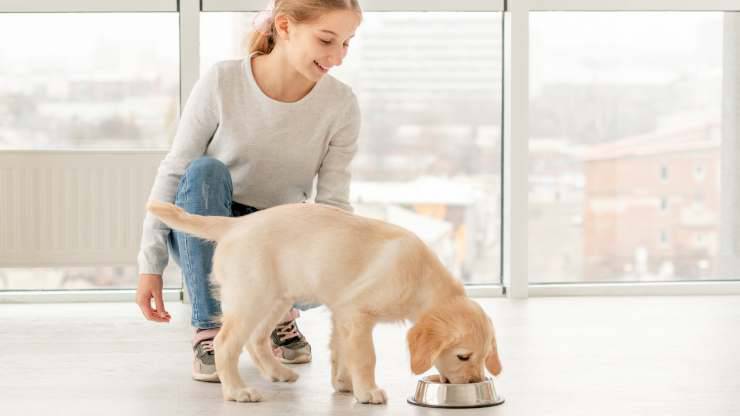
column 204, row 189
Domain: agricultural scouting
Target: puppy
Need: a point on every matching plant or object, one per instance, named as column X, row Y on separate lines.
column 364, row 270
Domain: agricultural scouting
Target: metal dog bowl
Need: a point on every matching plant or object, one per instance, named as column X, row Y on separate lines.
column 433, row 394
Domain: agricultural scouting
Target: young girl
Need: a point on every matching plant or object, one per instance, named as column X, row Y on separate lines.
column 254, row 134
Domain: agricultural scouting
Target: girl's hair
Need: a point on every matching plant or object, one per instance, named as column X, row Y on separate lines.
column 299, row 11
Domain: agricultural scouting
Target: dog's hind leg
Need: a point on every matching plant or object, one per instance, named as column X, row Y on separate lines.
column 236, row 328
column 259, row 347
column 249, row 348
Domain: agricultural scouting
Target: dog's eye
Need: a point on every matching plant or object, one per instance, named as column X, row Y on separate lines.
column 463, row 357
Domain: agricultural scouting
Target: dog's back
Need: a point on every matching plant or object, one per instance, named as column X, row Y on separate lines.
column 319, row 253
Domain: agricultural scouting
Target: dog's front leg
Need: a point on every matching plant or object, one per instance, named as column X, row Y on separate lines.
column 341, row 379
column 361, row 361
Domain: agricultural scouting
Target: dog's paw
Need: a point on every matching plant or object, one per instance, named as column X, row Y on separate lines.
column 342, row 385
column 245, row 394
column 283, row 374
column 373, row 396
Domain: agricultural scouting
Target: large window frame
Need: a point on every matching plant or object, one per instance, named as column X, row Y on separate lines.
column 514, row 256
column 519, row 155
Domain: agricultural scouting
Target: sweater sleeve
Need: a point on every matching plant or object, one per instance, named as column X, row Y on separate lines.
column 199, row 120
column 332, row 187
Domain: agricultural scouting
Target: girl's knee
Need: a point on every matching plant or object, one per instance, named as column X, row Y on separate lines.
column 208, row 177
column 208, row 168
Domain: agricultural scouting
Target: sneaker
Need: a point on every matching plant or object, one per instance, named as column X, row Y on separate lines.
column 288, row 343
column 204, row 361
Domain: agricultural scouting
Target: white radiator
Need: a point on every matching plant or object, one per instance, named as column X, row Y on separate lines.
column 73, row 208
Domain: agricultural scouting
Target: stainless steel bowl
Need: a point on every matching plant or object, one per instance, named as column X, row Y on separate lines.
column 430, row 393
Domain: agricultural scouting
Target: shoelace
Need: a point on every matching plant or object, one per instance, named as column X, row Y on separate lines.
column 287, row 330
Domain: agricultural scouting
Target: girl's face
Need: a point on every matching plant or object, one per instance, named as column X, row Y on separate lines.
column 315, row 47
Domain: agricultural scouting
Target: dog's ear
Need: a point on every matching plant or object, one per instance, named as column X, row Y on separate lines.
column 426, row 341
column 493, row 362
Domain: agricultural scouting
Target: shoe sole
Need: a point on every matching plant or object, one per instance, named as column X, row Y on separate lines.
column 300, row 360
column 210, row 378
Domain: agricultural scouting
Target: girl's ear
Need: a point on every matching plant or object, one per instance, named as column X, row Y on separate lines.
column 282, row 26
column 425, row 343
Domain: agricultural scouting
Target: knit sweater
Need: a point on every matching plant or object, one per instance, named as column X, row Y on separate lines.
column 273, row 150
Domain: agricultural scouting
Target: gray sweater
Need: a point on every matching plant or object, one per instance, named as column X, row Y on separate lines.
column 272, row 149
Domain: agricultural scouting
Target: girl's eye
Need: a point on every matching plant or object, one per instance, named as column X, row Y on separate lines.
column 325, row 42
column 463, row 357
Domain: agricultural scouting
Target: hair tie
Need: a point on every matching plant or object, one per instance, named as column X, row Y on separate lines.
column 264, row 19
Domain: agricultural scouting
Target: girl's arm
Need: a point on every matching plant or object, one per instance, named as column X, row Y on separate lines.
column 196, row 127
column 334, row 176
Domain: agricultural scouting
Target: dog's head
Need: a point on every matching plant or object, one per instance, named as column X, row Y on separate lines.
column 458, row 339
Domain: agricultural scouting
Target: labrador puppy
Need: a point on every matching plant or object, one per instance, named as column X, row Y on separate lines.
column 364, row 270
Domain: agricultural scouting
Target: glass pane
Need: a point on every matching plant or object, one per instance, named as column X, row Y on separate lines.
column 88, row 80
column 79, row 278
column 430, row 152
column 626, row 142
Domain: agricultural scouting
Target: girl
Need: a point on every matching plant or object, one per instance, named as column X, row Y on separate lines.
column 254, row 134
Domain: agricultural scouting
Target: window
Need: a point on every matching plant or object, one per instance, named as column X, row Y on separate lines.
column 622, row 117
column 634, row 114
column 664, row 173
column 429, row 156
column 664, row 204
column 79, row 278
column 699, row 172
column 663, row 237
column 88, row 80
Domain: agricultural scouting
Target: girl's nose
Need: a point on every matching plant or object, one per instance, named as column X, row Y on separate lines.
column 335, row 59
column 337, row 56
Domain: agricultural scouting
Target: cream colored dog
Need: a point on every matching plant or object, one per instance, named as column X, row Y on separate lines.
column 364, row 270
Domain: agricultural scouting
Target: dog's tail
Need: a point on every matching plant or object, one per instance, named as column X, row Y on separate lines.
column 207, row 227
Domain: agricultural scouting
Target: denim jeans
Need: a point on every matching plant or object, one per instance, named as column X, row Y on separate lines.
column 204, row 189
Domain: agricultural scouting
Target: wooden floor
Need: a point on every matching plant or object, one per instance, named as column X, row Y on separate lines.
column 561, row 356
